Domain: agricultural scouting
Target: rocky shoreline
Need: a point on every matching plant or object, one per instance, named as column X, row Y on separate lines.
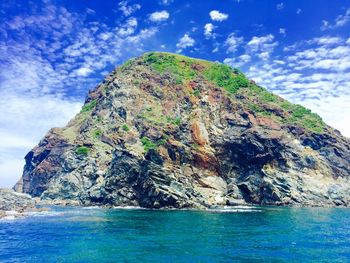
column 18, row 205
column 13, row 204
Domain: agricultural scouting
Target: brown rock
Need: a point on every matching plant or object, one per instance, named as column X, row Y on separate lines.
column 199, row 133
column 268, row 123
column 2, row 214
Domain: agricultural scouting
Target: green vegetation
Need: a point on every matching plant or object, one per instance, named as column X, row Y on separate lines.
column 258, row 99
column 223, row 76
column 97, row 133
column 297, row 115
column 162, row 141
column 89, row 106
column 82, row 150
column 179, row 66
column 262, row 94
column 155, row 116
column 125, row 127
column 195, row 146
column 258, row 109
column 183, row 69
column 197, row 93
column 178, row 81
column 299, row 112
column 237, row 71
column 127, row 64
column 136, row 82
column 176, row 121
column 261, row 99
column 149, row 144
column 306, row 118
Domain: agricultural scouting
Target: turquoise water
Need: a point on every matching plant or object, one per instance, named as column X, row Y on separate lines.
column 119, row 235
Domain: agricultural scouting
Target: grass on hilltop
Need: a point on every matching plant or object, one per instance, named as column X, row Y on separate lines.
column 258, row 99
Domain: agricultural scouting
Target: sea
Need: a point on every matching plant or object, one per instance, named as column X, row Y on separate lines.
column 239, row 234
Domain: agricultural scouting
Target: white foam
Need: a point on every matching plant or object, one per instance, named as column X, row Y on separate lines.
column 91, row 207
column 43, row 213
column 234, row 210
column 9, row 218
column 241, row 207
column 129, row 207
column 11, row 213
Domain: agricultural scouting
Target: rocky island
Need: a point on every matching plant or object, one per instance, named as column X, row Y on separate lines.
column 168, row 131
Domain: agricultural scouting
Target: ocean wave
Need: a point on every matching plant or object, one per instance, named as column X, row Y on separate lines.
column 234, row 210
column 11, row 213
column 43, row 213
column 91, row 207
column 241, row 207
column 9, row 218
column 14, row 215
column 129, row 207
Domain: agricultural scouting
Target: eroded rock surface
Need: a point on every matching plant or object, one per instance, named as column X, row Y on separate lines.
column 170, row 131
column 17, row 203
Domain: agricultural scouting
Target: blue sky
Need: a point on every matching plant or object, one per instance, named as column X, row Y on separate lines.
column 53, row 52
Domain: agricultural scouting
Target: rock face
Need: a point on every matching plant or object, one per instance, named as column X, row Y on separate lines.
column 13, row 201
column 165, row 130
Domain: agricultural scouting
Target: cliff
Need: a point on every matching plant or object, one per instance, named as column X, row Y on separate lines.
column 164, row 130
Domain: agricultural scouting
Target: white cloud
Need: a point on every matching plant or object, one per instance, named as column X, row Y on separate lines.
column 44, row 75
column 166, row 2
column 105, row 36
column 245, row 58
column 264, row 55
column 340, row 21
column 327, row 40
column 215, row 15
column 262, row 46
column 280, row 6
column 239, row 61
column 257, row 42
column 14, row 141
column 314, row 73
column 128, row 28
column 299, row 11
column 126, row 9
column 325, row 24
column 159, row 16
column 208, row 30
column 283, row 31
column 10, row 171
column 83, row 71
column 232, row 42
column 23, row 124
column 184, row 42
column 136, row 40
